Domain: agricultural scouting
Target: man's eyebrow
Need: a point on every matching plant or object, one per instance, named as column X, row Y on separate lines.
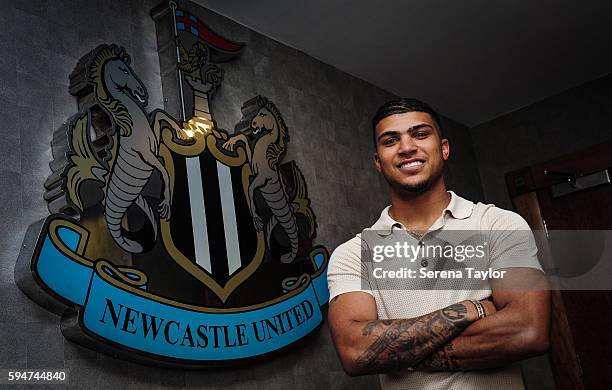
column 420, row 126
column 388, row 132
column 410, row 130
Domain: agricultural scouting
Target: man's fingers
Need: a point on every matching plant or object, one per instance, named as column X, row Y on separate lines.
column 489, row 306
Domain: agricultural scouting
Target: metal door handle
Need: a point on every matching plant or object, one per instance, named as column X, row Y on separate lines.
column 569, row 177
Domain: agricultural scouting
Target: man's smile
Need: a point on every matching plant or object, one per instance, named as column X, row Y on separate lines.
column 411, row 165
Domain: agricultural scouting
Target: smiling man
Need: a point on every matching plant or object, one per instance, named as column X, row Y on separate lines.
column 435, row 339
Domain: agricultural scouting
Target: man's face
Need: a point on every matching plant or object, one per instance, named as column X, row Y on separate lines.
column 409, row 151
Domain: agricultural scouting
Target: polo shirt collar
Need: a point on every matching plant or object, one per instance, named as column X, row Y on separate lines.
column 458, row 208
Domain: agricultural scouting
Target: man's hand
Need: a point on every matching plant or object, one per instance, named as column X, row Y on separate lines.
column 519, row 329
column 367, row 345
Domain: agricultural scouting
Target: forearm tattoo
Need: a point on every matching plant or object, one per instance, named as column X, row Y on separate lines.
column 404, row 343
column 440, row 360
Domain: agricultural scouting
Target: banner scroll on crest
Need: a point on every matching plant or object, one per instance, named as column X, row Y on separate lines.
column 116, row 306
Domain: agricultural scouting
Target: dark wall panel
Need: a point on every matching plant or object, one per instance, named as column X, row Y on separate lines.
column 561, row 124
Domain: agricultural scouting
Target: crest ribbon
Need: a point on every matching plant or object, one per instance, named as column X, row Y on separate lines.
column 114, row 304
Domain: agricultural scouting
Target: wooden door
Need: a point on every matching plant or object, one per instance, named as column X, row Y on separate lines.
column 572, row 192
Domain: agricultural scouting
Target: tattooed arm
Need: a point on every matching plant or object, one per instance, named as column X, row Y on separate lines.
column 518, row 329
column 367, row 345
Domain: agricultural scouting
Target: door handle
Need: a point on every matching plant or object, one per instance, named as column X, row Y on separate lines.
column 570, row 178
column 574, row 182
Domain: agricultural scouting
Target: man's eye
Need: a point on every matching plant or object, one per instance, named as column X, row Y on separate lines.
column 421, row 134
column 389, row 141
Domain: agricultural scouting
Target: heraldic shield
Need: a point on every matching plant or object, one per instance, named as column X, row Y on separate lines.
column 164, row 229
column 238, row 207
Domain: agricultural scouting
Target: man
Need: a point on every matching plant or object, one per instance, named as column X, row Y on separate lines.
column 435, row 339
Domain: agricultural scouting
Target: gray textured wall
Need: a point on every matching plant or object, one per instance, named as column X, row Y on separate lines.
column 328, row 114
column 461, row 169
column 561, row 124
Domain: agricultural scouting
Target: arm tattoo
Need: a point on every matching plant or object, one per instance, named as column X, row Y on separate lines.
column 441, row 360
column 404, row 343
column 367, row 330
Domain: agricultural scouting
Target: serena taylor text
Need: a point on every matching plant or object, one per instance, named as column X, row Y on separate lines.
column 188, row 335
column 423, row 273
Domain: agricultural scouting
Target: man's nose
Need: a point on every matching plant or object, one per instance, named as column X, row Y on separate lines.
column 407, row 144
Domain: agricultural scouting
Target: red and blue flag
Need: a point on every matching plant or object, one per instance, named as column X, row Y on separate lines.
column 189, row 23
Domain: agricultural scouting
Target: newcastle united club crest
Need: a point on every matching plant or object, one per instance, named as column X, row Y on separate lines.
column 171, row 240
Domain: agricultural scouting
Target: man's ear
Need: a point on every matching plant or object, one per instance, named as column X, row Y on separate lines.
column 377, row 162
column 445, row 149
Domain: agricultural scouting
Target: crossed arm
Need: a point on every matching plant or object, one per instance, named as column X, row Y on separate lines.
column 452, row 338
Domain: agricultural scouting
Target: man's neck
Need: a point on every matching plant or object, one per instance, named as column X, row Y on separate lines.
column 419, row 212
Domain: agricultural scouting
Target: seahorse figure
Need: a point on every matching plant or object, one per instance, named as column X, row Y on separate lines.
column 263, row 160
column 123, row 96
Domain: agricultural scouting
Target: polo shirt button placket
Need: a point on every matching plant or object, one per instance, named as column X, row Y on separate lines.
column 424, row 262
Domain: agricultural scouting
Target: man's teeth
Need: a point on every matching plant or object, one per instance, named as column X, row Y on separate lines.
column 411, row 164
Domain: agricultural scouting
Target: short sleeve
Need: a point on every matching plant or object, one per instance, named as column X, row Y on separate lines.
column 344, row 272
column 511, row 241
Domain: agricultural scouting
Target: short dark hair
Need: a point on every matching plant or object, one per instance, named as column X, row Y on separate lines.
column 400, row 106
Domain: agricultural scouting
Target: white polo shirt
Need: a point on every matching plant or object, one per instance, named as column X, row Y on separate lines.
column 344, row 275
